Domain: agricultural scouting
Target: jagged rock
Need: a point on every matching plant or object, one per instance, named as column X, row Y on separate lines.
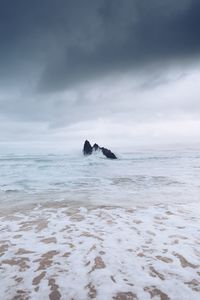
column 87, row 148
column 96, row 147
column 108, row 153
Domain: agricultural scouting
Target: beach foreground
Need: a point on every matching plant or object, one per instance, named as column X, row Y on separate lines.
column 69, row 252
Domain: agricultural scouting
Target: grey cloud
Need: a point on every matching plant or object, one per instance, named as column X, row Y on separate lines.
column 129, row 38
column 65, row 62
column 69, row 42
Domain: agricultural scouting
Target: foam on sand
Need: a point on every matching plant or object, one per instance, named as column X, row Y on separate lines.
column 101, row 253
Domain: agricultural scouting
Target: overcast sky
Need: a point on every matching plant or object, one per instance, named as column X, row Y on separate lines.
column 119, row 72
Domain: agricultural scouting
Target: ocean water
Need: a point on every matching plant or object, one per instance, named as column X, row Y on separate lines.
column 138, row 177
column 53, row 249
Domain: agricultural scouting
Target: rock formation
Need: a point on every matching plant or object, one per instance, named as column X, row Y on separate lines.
column 108, row 153
column 88, row 150
column 96, row 147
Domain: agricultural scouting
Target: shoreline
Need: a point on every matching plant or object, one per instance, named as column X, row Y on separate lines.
column 71, row 252
column 12, row 207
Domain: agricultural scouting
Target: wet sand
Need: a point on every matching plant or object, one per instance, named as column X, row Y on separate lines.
column 70, row 252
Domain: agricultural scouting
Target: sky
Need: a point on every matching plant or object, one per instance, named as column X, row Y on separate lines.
column 121, row 73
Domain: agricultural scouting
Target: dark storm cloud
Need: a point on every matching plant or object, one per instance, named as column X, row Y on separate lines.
column 66, row 42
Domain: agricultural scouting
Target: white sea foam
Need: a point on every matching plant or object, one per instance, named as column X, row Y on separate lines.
column 102, row 253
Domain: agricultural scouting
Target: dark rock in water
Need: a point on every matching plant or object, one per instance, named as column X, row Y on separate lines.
column 108, row 153
column 87, row 148
column 96, row 147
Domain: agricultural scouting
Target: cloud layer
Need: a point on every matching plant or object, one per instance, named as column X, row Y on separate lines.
column 126, row 62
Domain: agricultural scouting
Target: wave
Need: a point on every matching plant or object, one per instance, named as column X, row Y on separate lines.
column 133, row 176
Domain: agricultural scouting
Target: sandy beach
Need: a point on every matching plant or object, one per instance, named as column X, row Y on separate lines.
column 70, row 252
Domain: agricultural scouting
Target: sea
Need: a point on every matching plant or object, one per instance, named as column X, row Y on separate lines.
column 147, row 176
column 76, row 227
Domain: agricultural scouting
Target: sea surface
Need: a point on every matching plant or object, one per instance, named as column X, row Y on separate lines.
column 138, row 177
column 76, row 227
